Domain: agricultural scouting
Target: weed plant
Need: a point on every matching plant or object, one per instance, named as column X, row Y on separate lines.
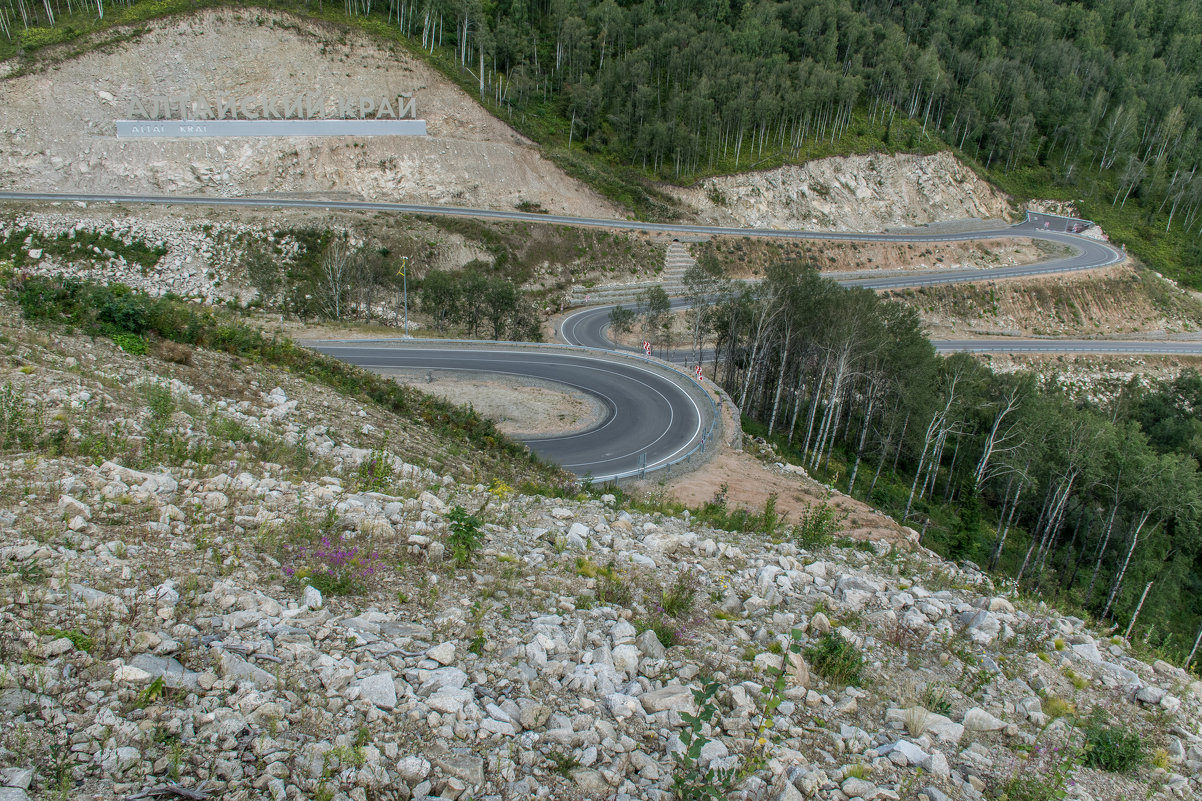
column 1045, row 770
column 375, row 473
column 466, row 537
column 817, row 526
column 1118, row 749
column 331, row 568
column 836, row 659
column 691, row 782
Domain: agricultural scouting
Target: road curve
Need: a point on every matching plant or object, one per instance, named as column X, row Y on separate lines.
column 650, row 419
column 589, row 327
column 1088, row 253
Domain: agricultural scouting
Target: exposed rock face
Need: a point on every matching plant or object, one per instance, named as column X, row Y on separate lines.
column 853, row 193
column 58, row 132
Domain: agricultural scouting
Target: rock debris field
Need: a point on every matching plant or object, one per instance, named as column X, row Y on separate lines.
column 164, row 625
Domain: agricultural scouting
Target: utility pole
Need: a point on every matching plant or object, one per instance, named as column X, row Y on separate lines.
column 405, row 284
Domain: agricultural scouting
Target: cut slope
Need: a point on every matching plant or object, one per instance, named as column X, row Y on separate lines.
column 853, row 193
column 57, row 128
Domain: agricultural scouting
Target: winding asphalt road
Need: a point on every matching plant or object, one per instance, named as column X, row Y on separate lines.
column 650, row 418
column 653, row 415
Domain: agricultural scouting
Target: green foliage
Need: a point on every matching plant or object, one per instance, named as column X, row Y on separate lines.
column 817, row 526
column 21, row 419
column 934, row 698
column 666, row 630
column 968, row 527
column 1110, row 747
column 131, row 343
column 836, row 659
column 621, row 319
column 677, row 598
column 562, row 763
column 152, row 693
column 690, row 781
column 79, row 640
column 1045, row 771
column 466, row 537
column 480, row 303
column 717, row 514
column 375, row 473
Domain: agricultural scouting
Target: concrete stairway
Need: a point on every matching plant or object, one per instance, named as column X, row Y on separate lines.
column 676, row 262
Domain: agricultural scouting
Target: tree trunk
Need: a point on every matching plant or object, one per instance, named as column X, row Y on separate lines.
column 1118, row 580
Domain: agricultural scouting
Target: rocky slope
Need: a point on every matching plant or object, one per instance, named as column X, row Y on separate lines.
column 854, row 193
column 57, row 127
column 165, row 526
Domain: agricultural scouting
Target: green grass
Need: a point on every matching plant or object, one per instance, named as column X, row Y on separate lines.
column 79, row 640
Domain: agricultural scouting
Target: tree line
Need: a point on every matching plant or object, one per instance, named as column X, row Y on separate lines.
column 1095, row 100
column 1089, row 502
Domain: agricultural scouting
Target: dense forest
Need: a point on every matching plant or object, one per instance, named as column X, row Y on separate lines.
column 1096, row 101
column 1090, row 504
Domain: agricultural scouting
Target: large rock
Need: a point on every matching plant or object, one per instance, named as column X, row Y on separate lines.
column 379, row 689
column 433, row 680
column 239, row 669
column 977, row 719
column 650, row 646
column 858, row 788
column 465, row 767
column 675, row 697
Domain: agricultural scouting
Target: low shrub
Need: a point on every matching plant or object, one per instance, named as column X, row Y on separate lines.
column 131, row 343
column 678, row 597
column 817, row 526
column 836, row 659
column 1117, row 749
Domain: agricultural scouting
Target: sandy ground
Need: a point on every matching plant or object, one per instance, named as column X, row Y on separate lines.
column 749, row 482
column 520, row 408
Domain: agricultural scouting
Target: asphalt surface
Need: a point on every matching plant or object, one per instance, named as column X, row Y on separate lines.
column 1091, row 252
column 1100, row 347
column 649, row 421
column 590, row 328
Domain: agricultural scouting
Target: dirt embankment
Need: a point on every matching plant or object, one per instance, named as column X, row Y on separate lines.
column 744, row 257
column 1117, row 301
column 58, row 132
